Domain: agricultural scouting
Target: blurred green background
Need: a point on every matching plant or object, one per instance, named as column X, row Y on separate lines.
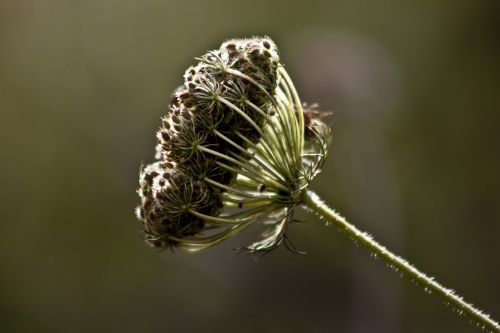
column 415, row 91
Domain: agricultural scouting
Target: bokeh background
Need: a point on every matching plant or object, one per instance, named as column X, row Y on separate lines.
column 415, row 91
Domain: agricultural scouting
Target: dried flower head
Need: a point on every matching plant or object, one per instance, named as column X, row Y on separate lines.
column 235, row 147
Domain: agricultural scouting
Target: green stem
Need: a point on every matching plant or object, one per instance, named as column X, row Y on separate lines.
column 318, row 206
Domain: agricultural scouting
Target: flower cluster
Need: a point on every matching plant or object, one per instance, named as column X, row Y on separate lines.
column 236, row 136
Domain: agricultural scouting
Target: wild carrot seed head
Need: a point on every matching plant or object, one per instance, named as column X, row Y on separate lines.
column 235, row 147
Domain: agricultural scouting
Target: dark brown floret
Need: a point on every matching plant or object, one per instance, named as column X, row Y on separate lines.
column 165, row 209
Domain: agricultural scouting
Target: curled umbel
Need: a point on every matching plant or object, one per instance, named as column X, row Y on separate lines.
column 235, row 147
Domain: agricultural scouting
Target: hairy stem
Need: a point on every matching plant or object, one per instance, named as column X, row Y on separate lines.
column 318, row 206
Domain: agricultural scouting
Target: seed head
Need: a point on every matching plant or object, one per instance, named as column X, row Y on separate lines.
column 167, row 195
column 236, row 147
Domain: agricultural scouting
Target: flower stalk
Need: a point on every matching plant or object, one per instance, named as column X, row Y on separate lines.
column 313, row 203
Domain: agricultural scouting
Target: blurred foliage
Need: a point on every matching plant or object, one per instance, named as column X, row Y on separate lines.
column 414, row 87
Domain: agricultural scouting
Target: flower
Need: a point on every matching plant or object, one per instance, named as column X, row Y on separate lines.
column 235, row 147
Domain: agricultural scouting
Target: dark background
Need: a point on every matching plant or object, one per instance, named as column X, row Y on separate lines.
column 415, row 91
